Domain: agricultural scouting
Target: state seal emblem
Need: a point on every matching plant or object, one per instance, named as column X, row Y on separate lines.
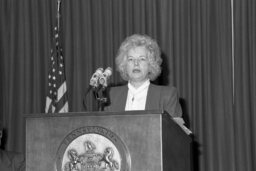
column 92, row 148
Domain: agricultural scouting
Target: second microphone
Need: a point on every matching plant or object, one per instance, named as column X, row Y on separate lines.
column 100, row 78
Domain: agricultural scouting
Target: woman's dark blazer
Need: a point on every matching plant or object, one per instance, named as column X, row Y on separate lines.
column 158, row 98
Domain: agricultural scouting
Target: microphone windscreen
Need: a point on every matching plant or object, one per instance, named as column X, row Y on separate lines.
column 95, row 77
column 105, row 76
column 108, row 71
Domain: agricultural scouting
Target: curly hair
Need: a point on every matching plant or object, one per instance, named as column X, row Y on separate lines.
column 153, row 51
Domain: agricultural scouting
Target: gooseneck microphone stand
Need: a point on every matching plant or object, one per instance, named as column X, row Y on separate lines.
column 100, row 96
column 98, row 84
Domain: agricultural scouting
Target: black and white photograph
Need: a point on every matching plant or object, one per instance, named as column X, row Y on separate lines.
column 127, row 85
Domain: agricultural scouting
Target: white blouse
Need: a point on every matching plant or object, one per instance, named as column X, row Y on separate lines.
column 136, row 98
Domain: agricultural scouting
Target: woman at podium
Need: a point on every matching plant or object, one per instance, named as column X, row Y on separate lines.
column 139, row 62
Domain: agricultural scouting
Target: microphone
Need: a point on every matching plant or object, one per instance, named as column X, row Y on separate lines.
column 95, row 78
column 105, row 76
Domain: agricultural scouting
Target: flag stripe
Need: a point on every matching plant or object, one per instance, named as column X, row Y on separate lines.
column 62, row 90
column 48, row 104
column 59, row 105
column 64, row 108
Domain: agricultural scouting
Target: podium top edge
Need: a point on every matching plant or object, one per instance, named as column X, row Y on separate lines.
column 94, row 113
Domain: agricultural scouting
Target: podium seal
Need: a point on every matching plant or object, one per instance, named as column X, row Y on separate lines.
column 92, row 148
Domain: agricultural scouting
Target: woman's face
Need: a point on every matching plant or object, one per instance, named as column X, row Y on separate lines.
column 137, row 64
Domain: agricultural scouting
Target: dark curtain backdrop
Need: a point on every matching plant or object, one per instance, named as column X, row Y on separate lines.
column 244, row 115
column 196, row 41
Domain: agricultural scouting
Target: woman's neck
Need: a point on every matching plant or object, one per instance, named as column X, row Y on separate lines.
column 137, row 84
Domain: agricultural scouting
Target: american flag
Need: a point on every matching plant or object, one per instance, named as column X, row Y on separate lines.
column 57, row 97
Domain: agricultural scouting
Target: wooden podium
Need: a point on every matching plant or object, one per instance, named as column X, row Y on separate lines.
column 106, row 141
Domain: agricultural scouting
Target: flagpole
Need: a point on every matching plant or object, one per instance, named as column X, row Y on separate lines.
column 58, row 14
